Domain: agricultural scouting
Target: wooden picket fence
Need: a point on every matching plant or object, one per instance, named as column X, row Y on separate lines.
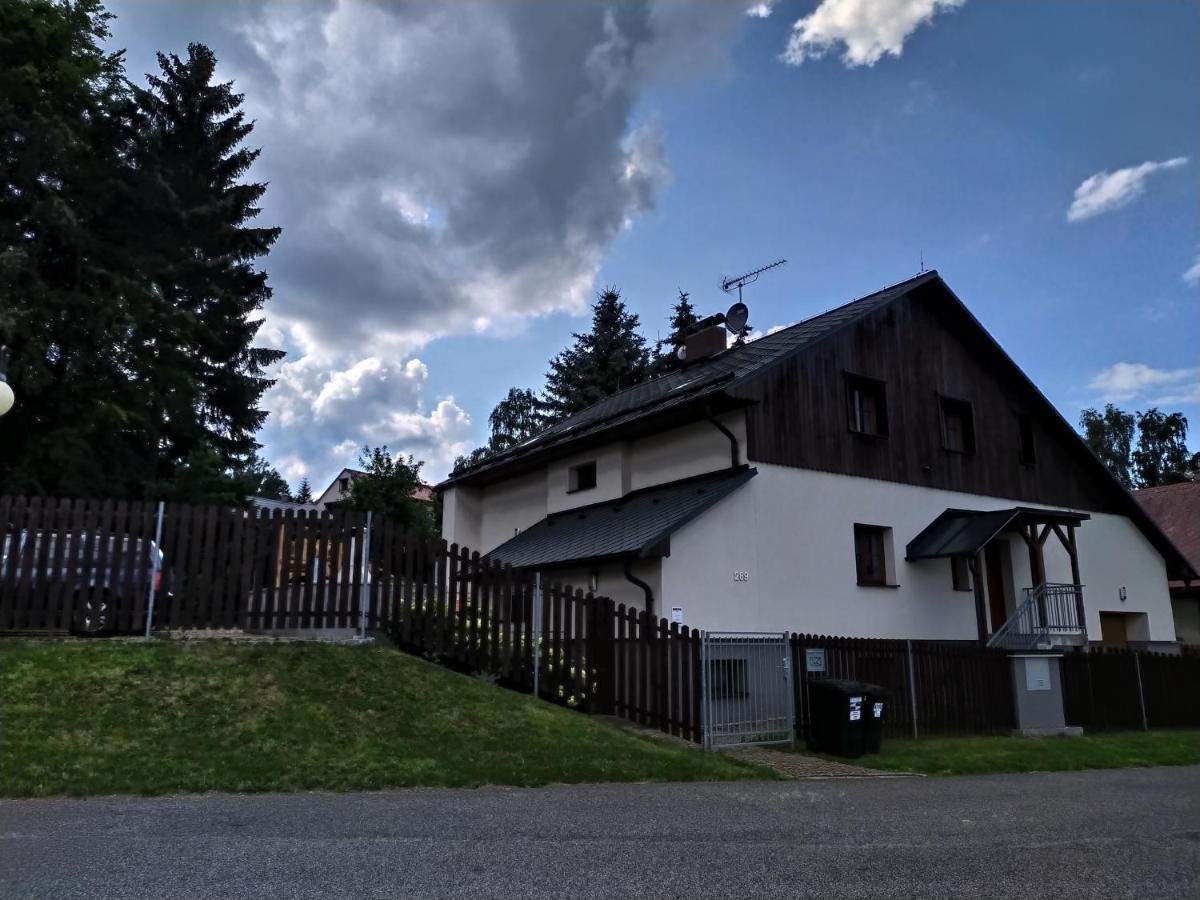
column 309, row 571
column 935, row 688
column 1119, row 690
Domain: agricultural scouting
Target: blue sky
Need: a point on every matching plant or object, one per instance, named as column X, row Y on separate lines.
column 967, row 148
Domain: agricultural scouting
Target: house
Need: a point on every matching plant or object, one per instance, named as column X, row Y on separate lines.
column 339, row 489
column 883, row 469
column 1176, row 509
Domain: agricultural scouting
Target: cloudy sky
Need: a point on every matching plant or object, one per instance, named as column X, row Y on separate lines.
column 455, row 180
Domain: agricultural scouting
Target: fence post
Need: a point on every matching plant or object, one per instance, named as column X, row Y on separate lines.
column 364, row 588
column 912, row 689
column 1137, row 668
column 155, row 569
column 537, row 632
column 705, row 705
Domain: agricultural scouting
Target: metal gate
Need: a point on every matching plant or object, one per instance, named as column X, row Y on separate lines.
column 746, row 688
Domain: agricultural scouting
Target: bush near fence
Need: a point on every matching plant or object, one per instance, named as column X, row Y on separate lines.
column 227, row 567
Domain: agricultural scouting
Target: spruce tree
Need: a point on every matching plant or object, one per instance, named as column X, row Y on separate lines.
column 600, row 362
column 683, row 320
column 304, row 493
column 197, row 331
column 64, row 270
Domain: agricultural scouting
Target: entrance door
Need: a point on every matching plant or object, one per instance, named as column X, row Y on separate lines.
column 996, row 559
column 1112, row 630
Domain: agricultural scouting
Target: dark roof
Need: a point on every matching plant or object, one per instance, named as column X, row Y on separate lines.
column 634, row 525
column 690, row 386
column 1176, row 509
column 964, row 532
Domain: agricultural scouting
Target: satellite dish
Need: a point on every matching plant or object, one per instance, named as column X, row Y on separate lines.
column 681, row 353
column 736, row 318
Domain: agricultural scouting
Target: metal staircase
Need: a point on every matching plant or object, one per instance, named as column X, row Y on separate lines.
column 1050, row 616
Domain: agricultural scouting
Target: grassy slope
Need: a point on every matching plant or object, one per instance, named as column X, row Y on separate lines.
column 984, row 755
column 100, row 717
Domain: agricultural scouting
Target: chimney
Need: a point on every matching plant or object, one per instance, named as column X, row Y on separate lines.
column 704, row 343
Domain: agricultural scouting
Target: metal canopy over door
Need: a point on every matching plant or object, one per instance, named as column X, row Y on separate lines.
column 746, row 688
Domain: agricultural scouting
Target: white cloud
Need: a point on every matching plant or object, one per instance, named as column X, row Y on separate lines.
column 1106, row 191
column 761, row 10
column 437, row 169
column 1126, row 381
column 1192, row 275
column 869, row 29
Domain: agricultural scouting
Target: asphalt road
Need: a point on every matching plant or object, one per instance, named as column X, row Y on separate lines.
column 1133, row 833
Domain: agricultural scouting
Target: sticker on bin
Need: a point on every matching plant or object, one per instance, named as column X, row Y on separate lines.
column 877, row 710
column 855, row 708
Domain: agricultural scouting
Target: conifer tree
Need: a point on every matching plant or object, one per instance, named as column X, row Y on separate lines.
column 683, row 320
column 197, row 331
column 600, row 362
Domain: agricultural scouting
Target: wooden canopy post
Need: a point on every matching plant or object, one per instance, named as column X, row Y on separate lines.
column 974, row 563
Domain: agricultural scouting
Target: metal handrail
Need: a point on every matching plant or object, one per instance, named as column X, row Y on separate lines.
column 1048, row 609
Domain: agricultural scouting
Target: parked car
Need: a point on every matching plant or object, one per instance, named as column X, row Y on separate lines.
column 103, row 574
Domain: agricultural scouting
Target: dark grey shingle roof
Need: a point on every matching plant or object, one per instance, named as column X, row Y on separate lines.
column 632, row 525
column 660, row 395
column 964, row 532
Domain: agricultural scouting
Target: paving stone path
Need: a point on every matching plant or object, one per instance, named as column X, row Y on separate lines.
column 801, row 765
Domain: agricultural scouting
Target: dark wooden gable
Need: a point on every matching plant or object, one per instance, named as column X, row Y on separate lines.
column 923, row 346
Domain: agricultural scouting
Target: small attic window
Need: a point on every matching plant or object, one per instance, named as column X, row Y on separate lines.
column 581, row 477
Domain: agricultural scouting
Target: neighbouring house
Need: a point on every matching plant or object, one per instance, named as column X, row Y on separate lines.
column 1176, row 509
column 339, row 489
column 883, row 469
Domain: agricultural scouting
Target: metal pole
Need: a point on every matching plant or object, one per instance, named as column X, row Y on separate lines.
column 705, row 710
column 912, row 689
column 791, row 695
column 537, row 632
column 1137, row 668
column 364, row 588
column 155, row 568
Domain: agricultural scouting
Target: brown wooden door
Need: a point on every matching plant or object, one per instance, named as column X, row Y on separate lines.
column 994, row 564
column 1112, row 630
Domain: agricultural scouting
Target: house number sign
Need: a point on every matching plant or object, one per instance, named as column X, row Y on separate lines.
column 814, row 660
column 741, row 576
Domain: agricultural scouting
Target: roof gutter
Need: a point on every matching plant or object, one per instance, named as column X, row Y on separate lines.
column 646, row 589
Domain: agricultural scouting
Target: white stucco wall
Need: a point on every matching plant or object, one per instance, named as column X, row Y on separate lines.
column 791, row 532
column 484, row 518
column 612, row 582
column 683, row 452
column 509, row 507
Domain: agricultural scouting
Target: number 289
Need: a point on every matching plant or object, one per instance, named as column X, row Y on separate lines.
column 741, row 576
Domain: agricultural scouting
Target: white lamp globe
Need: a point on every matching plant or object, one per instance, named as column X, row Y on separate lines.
column 6, row 397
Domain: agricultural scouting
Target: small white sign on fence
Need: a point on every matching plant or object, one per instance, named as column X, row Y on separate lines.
column 814, row 660
column 677, row 615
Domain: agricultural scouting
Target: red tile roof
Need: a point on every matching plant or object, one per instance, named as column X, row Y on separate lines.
column 1176, row 509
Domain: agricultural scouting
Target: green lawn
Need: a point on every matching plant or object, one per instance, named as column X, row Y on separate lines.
column 985, row 755
column 99, row 717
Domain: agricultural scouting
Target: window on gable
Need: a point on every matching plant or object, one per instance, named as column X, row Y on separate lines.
column 871, row 554
column 581, row 477
column 866, row 405
column 960, row 573
column 958, row 426
column 1025, row 433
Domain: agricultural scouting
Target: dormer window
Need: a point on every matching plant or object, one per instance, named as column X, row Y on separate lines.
column 344, row 485
column 581, row 477
column 866, row 405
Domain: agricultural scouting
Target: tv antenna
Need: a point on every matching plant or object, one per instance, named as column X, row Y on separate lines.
column 728, row 284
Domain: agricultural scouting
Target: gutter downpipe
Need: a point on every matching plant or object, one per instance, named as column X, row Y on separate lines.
column 735, row 455
column 646, row 589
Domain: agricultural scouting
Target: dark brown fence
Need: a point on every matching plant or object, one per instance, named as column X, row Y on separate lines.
column 233, row 568
column 1118, row 690
column 948, row 688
